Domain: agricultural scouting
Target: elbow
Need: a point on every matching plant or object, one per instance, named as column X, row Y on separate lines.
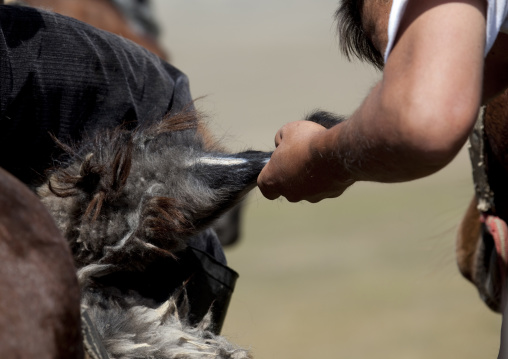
column 430, row 136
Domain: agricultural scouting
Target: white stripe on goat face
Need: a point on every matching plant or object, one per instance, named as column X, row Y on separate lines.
column 220, row 161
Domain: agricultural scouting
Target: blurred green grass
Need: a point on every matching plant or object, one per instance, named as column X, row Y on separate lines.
column 371, row 274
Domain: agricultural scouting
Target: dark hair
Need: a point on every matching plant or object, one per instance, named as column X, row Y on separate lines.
column 353, row 39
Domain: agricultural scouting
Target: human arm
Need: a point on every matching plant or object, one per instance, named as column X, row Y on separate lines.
column 413, row 122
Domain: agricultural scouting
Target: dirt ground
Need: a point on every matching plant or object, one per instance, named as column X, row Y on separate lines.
column 371, row 274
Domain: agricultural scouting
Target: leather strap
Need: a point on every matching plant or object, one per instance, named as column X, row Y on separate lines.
column 477, row 154
column 91, row 338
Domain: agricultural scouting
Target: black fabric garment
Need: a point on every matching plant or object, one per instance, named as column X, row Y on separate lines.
column 61, row 76
column 208, row 283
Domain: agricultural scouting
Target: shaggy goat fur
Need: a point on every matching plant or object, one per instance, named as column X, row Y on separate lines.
column 129, row 199
column 136, row 330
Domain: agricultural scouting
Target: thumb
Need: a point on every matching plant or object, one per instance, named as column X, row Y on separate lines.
column 264, row 186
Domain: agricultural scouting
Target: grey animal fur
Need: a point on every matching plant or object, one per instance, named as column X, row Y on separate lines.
column 130, row 198
column 139, row 331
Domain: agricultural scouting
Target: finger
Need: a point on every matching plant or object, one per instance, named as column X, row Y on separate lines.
column 267, row 193
column 270, row 195
column 266, row 190
column 278, row 138
column 325, row 195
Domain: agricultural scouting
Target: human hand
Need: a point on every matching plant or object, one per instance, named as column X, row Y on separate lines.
column 302, row 167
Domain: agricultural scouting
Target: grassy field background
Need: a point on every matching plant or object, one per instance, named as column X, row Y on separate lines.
column 371, row 274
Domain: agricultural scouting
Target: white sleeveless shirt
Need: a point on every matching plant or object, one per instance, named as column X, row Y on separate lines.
column 497, row 13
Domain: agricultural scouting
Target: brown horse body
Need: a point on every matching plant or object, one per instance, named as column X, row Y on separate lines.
column 103, row 15
column 39, row 301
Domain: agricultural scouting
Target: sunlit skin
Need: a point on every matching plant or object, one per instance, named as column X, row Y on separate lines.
column 415, row 119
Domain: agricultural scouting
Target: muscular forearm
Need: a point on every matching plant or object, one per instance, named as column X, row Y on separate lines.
column 413, row 122
column 392, row 144
column 383, row 141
